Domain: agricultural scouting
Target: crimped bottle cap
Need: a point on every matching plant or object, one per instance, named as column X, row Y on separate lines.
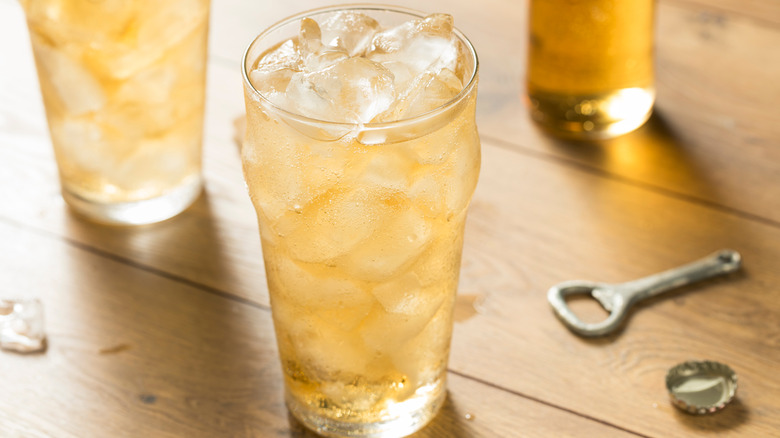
column 701, row 387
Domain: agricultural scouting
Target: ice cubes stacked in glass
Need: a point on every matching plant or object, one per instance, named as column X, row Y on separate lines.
column 362, row 241
column 349, row 69
column 123, row 83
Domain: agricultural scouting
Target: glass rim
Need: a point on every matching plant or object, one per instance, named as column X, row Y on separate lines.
column 465, row 91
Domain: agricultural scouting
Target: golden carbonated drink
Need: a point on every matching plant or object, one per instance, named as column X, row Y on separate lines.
column 123, row 84
column 590, row 66
column 361, row 157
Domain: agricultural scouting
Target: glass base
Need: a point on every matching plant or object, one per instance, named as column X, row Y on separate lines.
column 402, row 419
column 597, row 116
column 147, row 211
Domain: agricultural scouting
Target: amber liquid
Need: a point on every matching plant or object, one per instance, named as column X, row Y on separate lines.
column 590, row 66
column 362, row 247
column 123, row 85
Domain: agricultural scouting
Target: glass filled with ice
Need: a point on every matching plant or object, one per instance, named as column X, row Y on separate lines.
column 361, row 156
column 123, row 85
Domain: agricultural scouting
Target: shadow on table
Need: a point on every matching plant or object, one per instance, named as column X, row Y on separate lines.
column 449, row 422
column 731, row 417
column 173, row 354
column 655, row 154
column 186, row 247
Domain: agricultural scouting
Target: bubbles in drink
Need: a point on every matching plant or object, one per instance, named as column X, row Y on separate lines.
column 362, row 221
column 392, row 247
column 123, row 85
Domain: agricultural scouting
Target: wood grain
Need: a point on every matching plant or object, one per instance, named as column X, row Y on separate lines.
column 131, row 353
column 165, row 331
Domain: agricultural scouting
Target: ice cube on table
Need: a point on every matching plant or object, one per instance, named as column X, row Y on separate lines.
column 353, row 90
column 349, row 30
column 21, row 326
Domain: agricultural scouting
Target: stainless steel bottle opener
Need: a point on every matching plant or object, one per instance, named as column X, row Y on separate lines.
column 618, row 298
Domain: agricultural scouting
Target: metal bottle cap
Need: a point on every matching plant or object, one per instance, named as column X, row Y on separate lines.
column 701, row 387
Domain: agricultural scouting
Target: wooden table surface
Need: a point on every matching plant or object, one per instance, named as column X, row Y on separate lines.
column 165, row 330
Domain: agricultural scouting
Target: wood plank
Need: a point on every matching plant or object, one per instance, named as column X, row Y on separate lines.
column 520, row 241
column 766, row 12
column 535, row 221
column 531, row 226
column 131, row 353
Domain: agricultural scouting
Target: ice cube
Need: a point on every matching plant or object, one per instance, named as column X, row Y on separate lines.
column 425, row 92
column 159, row 161
column 425, row 45
column 152, row 35
column 393, row 246
column 353, row 90
column 274, row 70
column 323, row 59
column 440, row 262
column 77, row 88
column 289, row 183
column 426, row 194
column 405, row 310
column 322, row 349
column 21, row 326
column 79, row 22
column 310, row 37
column 405, row 295
column 349, row 30
column 152, row 85
column 321, row 290
column 465, row 161
column 335, row 224
column 271, row 82
column 285, row 55
column 423, row 357
column 83, row 146
column 403, row 74
column 388, row 169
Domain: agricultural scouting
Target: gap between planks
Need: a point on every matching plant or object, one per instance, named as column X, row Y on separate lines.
column 226, row 295
column 543, row 402
column 701, row 6
column 596, row 171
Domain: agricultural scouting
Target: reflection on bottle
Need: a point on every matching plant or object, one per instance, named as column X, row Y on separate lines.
column 590, row 66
